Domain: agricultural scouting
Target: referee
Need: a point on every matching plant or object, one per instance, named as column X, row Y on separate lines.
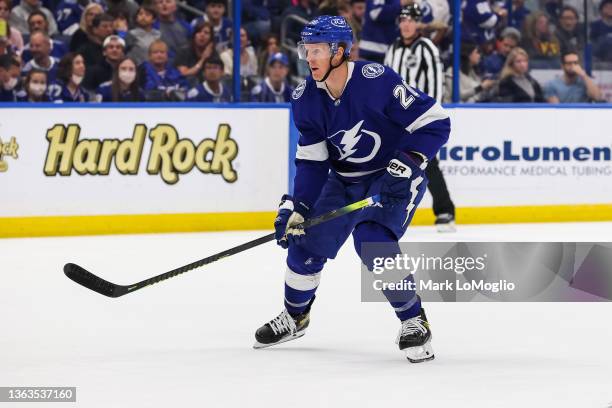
column 417, row 60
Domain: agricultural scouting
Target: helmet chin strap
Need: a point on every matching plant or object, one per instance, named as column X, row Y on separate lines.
column 331, row 67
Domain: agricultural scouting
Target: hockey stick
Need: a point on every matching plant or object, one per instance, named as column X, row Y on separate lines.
column 89, row 280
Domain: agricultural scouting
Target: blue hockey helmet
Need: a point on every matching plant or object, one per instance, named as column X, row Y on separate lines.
column 327, row 29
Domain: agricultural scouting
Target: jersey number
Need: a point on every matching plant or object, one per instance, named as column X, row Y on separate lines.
column 401, row 92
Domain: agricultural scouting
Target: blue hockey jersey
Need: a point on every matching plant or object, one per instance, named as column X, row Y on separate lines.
column 357, row 135
column 479, row 21
column 379, row 28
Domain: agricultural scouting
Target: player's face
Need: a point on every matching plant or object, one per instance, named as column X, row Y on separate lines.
column 317, row 56
column 408, row 27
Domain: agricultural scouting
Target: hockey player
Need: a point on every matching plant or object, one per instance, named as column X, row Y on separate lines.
column 376, row 135
column 417, row 60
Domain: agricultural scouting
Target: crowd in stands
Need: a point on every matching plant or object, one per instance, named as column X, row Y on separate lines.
column 154, row 50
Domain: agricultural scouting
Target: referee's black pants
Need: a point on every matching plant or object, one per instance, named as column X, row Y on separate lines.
column 442, row 203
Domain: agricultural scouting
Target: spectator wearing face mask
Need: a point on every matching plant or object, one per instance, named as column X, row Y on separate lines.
column 40, row 47
column 159, row 79
column 34, row 87
column 38, row 22
column 70, row 74
column 20, row 13
column 113, row 51
column 211, row 89
column 274, row 88
column 9, row 77
column 124, row 85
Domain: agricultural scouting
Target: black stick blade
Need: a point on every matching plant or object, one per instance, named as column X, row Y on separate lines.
column 85, row 278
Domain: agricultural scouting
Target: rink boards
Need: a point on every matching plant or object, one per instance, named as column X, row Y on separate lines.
column 162, row 168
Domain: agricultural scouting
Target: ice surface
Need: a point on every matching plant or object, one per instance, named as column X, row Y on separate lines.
column 187, row 342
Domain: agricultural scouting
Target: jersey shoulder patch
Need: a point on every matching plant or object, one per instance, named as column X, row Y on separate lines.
column 299, row 90
column 372, row 70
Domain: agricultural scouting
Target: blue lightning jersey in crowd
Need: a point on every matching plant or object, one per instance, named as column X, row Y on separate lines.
column 357, row 135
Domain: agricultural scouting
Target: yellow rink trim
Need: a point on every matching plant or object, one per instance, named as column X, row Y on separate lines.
column 159, row 223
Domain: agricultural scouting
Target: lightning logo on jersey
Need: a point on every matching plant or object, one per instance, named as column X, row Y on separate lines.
column 353, row 146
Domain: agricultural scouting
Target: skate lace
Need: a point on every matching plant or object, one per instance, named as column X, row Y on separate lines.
column 412, row 326
column 283, row 322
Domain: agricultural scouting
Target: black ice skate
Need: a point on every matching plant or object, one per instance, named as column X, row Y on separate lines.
column 445, row 223
column 282, row 328
column 414, row 338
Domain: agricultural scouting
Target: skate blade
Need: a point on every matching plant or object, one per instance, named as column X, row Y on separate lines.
column 450, row 227
column 297, row 335
column 420, row 354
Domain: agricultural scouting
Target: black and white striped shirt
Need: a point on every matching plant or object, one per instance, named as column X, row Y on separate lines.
column 419, row 65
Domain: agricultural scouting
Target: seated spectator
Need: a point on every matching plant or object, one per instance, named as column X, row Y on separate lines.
column 40, row 48
column 574, row 85
column 10, row 70
column 124, row 85
column 84, row 29
column 127, row 8
column 516, row 85
column 113, row 50
column 38, row 22
column 159, row 79
column 274, row 87
column 222, row 26
column 174, row 31
column 248, row 59
column 493, row 63
column 540, row 42
column 519, row 14
column 91, row 49
column 358, row 8
column 34, row 87
column 70, row 75
column 140, row 38
column 305, row 9
column 190, row 59
column 19, row 16
column 15, row 39
column 211, row 89
column 479, row 21
column 120, row 23
column 256, row 19
column 569, row 32
column 471, row 86
column 270, row 47
column 601, row 32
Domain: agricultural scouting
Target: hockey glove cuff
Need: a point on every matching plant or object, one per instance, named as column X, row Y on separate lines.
column 401, row 171
column 286, row 225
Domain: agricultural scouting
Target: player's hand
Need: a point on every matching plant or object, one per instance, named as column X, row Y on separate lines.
column 397, row 180
column 289, row 215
